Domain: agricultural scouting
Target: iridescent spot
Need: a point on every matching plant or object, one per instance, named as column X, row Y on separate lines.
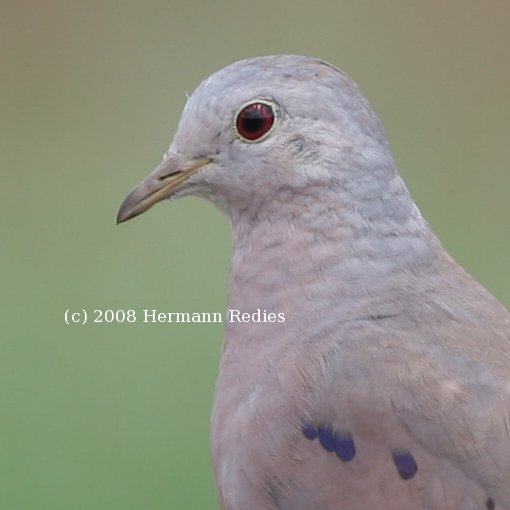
column 310, row 431
column 344, row 447
column 327, row 437
column 405, row 463
column 341, row 443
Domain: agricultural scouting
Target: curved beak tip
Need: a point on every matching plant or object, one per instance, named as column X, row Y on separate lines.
column 122, row 216
column 131, row 206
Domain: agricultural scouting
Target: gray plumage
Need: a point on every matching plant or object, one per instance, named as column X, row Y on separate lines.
column 388, row 384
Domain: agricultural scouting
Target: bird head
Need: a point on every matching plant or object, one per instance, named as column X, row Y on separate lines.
column 265, row 127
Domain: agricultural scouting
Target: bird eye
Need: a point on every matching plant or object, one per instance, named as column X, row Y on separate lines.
column 254, row 120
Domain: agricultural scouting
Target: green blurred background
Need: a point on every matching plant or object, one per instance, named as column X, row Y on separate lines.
column 116, row 416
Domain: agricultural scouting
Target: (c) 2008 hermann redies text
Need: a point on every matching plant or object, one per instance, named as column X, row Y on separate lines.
column 82, row 316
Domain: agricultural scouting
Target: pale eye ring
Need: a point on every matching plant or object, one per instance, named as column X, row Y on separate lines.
column 255, row 120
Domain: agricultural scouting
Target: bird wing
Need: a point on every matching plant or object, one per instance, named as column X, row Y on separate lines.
column 424, row 398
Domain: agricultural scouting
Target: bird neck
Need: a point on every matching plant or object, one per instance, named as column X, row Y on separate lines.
column 328, row 252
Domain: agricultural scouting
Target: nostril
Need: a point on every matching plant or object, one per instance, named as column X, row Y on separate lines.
column 171, row 174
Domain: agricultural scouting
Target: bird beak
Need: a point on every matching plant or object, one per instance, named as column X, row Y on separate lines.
column 168, row 176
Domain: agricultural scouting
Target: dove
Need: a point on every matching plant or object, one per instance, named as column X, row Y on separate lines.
column 387, row 383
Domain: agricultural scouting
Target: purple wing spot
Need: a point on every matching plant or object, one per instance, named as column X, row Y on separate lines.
column 310, row 431
column 405, row 463
column 327, row 437
column 342, row 443
column 344, row 447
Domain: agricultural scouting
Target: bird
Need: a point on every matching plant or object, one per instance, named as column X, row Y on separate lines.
column 361, row 367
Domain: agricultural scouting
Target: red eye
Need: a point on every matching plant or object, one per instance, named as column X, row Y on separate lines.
column 254, row 121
